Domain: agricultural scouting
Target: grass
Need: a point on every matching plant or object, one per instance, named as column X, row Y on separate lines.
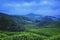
column 32, row 34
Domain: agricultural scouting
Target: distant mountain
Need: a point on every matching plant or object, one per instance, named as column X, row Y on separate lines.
column 58, row 16
column 48, row 20
column 33, row 16
column 42, row 20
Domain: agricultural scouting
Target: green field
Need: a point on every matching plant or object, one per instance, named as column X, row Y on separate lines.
column 32, row 34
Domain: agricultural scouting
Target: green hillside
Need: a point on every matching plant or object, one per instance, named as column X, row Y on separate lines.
column 23, row 28
column 13, row 23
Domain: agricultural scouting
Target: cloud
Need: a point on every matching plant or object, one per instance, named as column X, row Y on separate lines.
column 40, row 6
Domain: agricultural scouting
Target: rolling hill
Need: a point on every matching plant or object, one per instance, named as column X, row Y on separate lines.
column 29, row 27
column 13, row 23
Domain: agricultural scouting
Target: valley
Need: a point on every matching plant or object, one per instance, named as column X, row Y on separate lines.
column 29, row 27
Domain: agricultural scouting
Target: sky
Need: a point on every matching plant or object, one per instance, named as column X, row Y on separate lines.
column 21, row 7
